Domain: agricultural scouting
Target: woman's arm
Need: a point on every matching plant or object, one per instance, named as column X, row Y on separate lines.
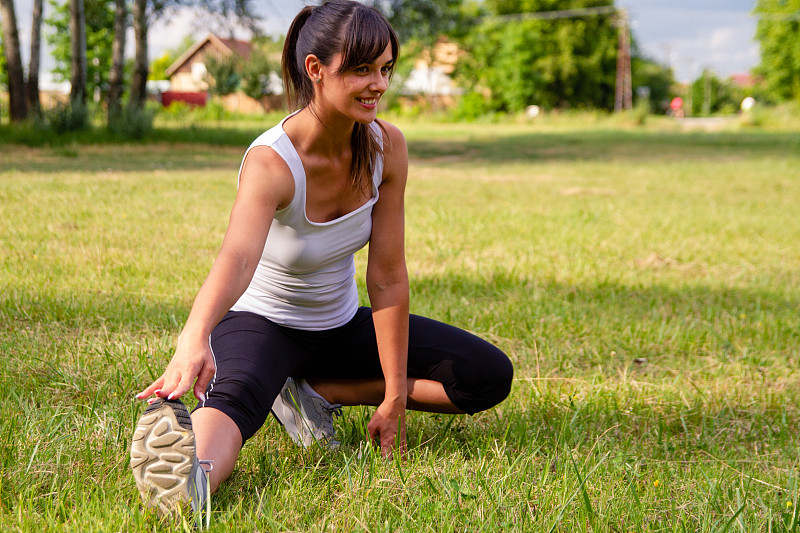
column 265, row 186
column 387, row 285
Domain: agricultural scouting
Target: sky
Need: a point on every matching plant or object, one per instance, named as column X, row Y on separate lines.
column 688, row 35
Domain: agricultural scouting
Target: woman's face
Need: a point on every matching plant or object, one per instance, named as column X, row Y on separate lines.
column 355, row 93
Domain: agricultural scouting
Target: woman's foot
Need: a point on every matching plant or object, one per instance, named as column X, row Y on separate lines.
column 307, row 416
column 167, row 471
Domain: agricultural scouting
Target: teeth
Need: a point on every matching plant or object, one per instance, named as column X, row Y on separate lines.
column 368, row 102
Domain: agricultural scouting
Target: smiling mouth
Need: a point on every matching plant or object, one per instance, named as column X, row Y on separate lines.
column 368, row 101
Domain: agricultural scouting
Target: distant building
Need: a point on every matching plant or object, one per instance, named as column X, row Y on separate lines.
column 188, row 77
column 431, row 80
column 745, row 80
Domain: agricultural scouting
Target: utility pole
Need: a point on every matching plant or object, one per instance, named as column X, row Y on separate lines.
column 623, row 96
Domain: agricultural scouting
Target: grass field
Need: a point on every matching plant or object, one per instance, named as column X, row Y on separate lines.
column 645, row 283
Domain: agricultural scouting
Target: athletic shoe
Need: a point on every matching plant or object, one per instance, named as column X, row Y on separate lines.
column 167, row 471
column 308, row 418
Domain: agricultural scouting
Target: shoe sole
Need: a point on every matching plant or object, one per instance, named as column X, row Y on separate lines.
column 163, row 454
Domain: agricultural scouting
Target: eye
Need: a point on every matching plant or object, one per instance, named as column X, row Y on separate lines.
column 363, row 69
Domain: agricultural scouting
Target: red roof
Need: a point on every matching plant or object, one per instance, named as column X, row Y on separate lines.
column 745, row 79
column 242, row 48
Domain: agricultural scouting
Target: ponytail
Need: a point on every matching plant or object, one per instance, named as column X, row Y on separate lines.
column 297, row 84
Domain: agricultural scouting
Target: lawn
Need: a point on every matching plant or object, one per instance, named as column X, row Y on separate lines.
column 644, row 281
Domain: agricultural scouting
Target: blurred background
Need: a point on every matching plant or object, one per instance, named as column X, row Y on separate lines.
column 68, row 64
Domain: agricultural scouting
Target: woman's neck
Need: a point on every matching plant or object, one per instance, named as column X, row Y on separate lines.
column 320, row 133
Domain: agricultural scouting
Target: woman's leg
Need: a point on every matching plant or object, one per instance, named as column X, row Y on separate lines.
column 253, row 357
column 217, row 439
column 450, row 370
column 423, row 394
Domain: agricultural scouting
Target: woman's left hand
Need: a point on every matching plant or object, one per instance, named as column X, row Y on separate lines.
column 388, row 419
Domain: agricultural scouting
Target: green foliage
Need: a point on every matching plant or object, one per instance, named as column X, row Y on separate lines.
column 133, row 122
column 778, row 33
column 567, row 62
column 471, row 106
column 3, row 67
column 256, row 73
column 657, row 78
column 158, row 66
column 99, row 40
column 225, row 74
column 66, row 117
column 427, row 20
column 712, row 95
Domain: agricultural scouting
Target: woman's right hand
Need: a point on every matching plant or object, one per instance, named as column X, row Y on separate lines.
column 265, row 185
column 192, row 359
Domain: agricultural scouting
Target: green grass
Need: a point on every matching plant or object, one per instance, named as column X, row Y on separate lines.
column 644, row 282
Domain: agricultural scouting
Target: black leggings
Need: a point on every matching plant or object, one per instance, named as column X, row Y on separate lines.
column 254, row 356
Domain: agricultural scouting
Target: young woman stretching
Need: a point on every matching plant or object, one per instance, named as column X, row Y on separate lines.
column 281, row 298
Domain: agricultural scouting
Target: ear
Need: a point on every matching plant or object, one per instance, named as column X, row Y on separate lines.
column 313, row 67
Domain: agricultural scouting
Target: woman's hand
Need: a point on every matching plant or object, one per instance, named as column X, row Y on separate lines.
column 265, row 184
column 192, row 359
column 388, row 419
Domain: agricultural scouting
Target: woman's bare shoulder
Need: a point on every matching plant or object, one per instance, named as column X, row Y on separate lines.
column 395, row 151
column 264, row 169
column 392, row 134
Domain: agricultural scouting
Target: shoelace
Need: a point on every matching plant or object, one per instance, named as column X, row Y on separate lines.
column 207, row 465
column 334, row 409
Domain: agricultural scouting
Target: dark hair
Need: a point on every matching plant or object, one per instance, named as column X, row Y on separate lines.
column 361, row 34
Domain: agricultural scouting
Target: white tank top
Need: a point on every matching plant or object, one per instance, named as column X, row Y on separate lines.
column 305, row 278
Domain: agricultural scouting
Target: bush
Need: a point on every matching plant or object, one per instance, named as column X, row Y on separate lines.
column 212, row 111
column 471, row 107
column 65, row 117
column 132, row 122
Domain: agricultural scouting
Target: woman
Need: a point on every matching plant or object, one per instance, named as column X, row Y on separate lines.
column 281, row 299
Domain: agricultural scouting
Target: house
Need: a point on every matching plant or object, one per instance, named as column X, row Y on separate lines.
column 431, row 79
column 188, row 77
column 745, row 80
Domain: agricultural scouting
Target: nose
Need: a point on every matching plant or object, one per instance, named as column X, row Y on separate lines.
column 380, row 82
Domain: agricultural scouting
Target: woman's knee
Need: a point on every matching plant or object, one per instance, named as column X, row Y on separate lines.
column 484, row 384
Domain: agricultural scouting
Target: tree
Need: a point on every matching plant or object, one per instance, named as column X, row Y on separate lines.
column 32, row 85
column 99, row 28
column 158, row 67
column 77, row 30
column 712, row 95
column 117, row 73
column 426, row 20
column 551, row 62
column 658, row 79
column 140, row 67
column 778, row 32
column 18, row 110
column 146, row 12
column 256, row 70
column 224, row 74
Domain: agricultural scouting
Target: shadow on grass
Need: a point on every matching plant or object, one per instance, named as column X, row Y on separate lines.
column 602, row 145
column 515, row 306
column 455, row 298
column 223, row 147
column 118, row 158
